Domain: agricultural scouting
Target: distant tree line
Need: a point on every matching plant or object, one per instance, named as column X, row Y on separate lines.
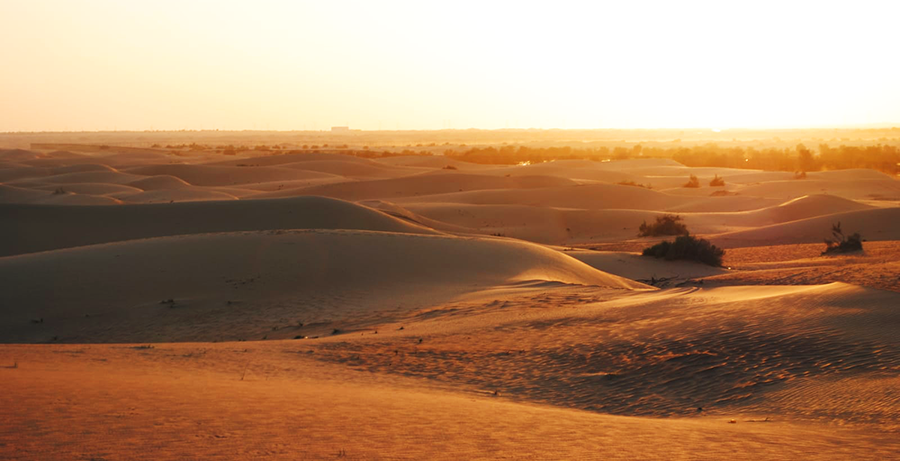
column 885, row 158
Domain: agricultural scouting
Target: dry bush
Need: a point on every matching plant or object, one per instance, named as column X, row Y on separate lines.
column 689, row 248
column 632, row 183
column 693, row 182
column 665, row 225
column 840, row 243
column 717, row 182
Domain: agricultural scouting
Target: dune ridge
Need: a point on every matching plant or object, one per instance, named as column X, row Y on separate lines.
column 42, row 228
column 262, row 276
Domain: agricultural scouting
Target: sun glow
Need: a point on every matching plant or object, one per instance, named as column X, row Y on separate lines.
column 103, row 64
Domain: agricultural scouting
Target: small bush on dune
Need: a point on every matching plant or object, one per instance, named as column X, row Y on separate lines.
column 840, row 243
column 632, row 183
column 799, row 175
column 689, row 248
column 717, row 182
column 693, row 182
column 665, row 225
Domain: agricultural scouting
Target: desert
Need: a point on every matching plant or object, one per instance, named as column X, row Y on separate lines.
column 468, row 230
column 329, row 303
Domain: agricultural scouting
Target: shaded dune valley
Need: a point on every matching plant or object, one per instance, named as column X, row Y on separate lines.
column 317, row 305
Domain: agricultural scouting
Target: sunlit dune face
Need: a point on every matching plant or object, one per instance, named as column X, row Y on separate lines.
column 418, row 65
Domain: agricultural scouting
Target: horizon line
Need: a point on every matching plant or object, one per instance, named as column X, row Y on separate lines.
column 883, row 126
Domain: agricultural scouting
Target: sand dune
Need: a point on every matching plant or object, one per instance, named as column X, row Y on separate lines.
column 590, row 196
column 853, row 174
column 75, row 199
column 209, row 175
column 574, row 169
column 566, row 226
column 177, row 195
column 159, row 182
column 48, row 195
column 110, row 177
column 847, row 188
column 49, row 228
column 17, row 155
column 433, row 162
column 535, row 224
column 336, row 164
column 64, row 154
column 873, row 224
column 303, row 407
column 285, row 159
column 17, row 173
column 13, row 194
column 233, row 285
column 663, row 353
column 81, row 168
column 636, row 267
column 422, row 184
column 352, row 170
column 295, row 184
column 594, row 196
column 91, row 188
column 155, row 394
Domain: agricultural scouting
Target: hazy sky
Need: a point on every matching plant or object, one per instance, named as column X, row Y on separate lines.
column 105, row 64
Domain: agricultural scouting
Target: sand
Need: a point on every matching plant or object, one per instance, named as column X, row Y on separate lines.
column 160, row 305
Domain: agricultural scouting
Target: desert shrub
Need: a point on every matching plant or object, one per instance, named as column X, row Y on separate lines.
column 229, row 152
column 840, row 243
column 59, row 191
column 693, row 182
column 689, row 248
column 722, row 193
column 717, row 182
column 799, row 175
column 665, row 225
column 449, row 167
column 632, row 183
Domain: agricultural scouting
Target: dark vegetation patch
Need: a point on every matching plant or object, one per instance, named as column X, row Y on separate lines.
column 665, row 225
column 840, row 243
column 688, row 248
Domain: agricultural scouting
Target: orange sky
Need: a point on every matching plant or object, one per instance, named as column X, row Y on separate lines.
column 104, row 64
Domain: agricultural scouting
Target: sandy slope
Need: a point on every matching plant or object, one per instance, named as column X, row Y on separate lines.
column 571, row 226
column 238, row 285
column 636, row 267
column 872, row 224
column 187, row 401
column 806, row 372
column 209, row 175
column 423, row 184
column 40, row 228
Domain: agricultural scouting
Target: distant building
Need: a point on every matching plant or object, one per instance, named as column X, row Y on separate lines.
column 340, row 129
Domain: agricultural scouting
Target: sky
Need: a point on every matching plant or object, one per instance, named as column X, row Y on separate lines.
column 86, row 65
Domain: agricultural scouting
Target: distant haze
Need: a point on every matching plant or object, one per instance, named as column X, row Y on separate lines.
column 295, row 65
